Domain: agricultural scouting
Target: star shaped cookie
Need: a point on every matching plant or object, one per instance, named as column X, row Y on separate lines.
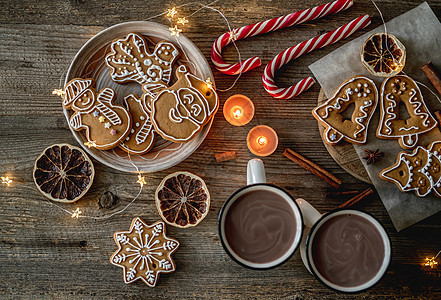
column 144, row 252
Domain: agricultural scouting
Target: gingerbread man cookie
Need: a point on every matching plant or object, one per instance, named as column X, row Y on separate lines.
column 144, row 252
column 106, row 124
column 180, row 111
column 402, row 89
column 419, row 171
column 131, row 61
column 360, row 91
column 142, row 136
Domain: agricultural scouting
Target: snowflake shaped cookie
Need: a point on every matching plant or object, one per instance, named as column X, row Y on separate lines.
column 144, row 252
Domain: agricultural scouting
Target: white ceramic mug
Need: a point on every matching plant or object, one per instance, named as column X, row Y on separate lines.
column 308, row 222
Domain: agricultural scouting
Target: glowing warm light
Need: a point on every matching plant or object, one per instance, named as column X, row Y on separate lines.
column 174, row 31
column 431, row 262
column 6, row 180
column 76, row 213
column 209, row 83
column 237, row 112
column 141, row 180
column 58, row 92
column 182, row 21
column 171, row 12
column 90, row 144
column 262, row 141
column 233, row 36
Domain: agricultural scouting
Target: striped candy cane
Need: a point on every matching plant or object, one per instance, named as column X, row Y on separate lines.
column 264, row 27
column 302, row 48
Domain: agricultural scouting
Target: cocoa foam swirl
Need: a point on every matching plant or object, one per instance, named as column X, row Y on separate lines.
column 348, row 250
column 260, row 226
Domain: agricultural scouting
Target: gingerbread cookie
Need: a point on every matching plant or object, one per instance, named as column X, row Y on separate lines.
column 144, row 252
column 106, row 124
column 402, row 89
column 131, row 61
column 360, row 91
column 142, row 136
column 419, row 171
column 180, row 111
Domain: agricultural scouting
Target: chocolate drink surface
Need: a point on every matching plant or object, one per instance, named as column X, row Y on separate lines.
column 260, row 226
column 348, row 250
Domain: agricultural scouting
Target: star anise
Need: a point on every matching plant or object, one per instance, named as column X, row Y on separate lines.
column 372, row 156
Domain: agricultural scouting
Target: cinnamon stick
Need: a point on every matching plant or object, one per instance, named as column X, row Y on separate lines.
column 433, row 75
column 312, row 167
column 225, row 156
column 356, row 198
column 340, row 193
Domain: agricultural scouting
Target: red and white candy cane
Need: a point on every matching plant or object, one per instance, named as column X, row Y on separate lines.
column 302, row 48
column 264, row 27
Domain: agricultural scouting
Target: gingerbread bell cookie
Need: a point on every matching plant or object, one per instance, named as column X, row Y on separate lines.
column 403, row 89
column 181, row 110
column 144, row 252
column 419, row 171
column 142, row 135
column 360, row 91
column 131, row 61
column 106, row 124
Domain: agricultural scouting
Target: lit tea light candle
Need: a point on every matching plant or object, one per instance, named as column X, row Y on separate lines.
column 262, row 140
column 238, row 110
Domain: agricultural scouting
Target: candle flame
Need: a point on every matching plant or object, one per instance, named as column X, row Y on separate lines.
column 262, row 141
column 237, row 112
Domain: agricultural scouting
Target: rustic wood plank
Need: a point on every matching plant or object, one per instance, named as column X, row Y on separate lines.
column 46, row 254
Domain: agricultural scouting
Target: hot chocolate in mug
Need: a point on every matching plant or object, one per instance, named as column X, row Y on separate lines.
column 261, row 226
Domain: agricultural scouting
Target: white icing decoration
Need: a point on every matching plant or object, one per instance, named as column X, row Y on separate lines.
column 366, row 117
column 137, row 124
column 142, row 118
column 413, row 100
column 147, row 62
column 143, row 250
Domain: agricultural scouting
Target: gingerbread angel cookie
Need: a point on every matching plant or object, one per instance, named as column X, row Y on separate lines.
column 142, row 136
column 106, row 124
column 180, row 111
column 360, row 91
column 131, row 61
column 398, row 90
column 419, row 171
column 144, row 252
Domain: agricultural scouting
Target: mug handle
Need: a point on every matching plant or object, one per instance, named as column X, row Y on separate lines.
column 310, row 217
column 255, row 171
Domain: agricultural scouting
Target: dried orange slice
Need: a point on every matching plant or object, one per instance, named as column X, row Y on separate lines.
column 182, row 199
column 63, row 173
column 383, row 55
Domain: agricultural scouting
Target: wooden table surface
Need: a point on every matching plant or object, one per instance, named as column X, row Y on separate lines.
column 46, row 254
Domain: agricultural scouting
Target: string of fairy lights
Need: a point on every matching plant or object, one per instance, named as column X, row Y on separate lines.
column 177, row 23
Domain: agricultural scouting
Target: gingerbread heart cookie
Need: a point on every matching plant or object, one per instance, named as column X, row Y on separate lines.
column 131, row 61
column 403, row 90
column 360, row 91
column 144, row 252
column 419, row 171
column 106, row 124
column 142, row 136
column 180, row 111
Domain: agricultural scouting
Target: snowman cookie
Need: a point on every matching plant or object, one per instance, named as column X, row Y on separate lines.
column 142, row 135
column 180, row 111
column 106, row 124
column 131, row 61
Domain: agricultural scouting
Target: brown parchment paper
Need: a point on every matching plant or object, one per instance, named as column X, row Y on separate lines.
column 420, row 31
